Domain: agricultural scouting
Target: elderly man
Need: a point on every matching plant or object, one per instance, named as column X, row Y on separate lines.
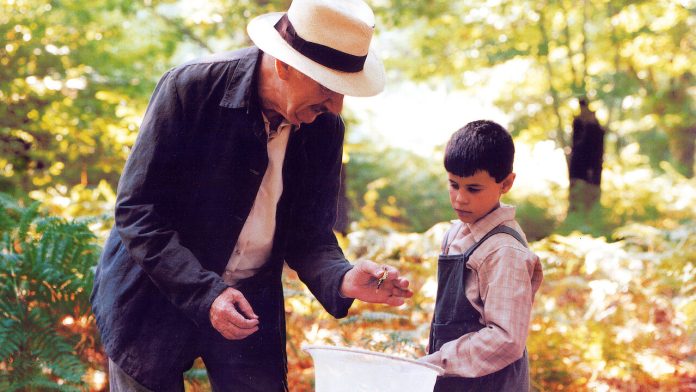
column 236, row 171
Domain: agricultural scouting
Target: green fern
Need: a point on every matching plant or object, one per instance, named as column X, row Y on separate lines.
column 9, row 210
column 46, row 272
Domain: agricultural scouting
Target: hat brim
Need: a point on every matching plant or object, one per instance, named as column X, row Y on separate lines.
column 368, row 82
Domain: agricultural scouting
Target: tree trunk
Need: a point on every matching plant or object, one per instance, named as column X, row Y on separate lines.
column 682, row 144
column 586, row 157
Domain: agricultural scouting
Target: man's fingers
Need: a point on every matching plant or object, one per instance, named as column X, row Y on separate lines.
column 244, row 307
column 238, row 312
column 232, row 315
column 399, row 286
column 235, row 333
column 403, row 283
column 376, row 283
column 236, row 325
column 371, row 268
column 401, row 293
column 392, row 273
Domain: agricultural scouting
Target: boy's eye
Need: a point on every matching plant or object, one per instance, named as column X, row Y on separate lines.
column 454, row 185
column 474, row 190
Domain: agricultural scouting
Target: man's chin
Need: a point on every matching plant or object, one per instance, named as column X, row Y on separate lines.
column 294, row 121
column 307, row 119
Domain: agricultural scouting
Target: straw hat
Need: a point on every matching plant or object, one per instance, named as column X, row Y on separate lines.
column 327, row 40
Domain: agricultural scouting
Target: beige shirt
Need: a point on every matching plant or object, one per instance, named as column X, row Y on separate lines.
column 255, row 241
column 504, row 278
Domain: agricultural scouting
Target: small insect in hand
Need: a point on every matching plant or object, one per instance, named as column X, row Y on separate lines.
column 382, row 278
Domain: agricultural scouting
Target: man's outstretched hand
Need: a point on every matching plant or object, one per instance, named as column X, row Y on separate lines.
column 372, row 282
column 232, row 316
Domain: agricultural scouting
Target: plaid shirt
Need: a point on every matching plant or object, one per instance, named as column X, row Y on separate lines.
column 505, row 276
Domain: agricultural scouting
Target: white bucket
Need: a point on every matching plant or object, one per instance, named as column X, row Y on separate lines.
column 343, row 369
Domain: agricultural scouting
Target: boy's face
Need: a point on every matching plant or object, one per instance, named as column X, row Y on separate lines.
column 475, row 196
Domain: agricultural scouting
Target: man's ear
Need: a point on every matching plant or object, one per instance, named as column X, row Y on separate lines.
column 507, row 183
column 282, row 69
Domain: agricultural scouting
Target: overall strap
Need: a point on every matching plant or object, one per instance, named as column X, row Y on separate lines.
column 446, row 242
column 496, row 230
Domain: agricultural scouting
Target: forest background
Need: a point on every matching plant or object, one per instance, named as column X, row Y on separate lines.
column 617, row 309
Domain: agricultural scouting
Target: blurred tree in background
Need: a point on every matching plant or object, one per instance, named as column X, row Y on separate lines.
column 618, row 306
column 393, row 189
column 75, row 80
column 72, row 82
column 632, row 60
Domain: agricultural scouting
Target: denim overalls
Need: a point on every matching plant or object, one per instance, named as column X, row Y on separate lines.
column 455, row 317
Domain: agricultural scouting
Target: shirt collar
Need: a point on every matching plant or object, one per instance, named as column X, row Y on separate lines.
column 494, row 219
column 271, row 133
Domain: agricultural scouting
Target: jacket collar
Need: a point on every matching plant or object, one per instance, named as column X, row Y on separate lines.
column 241, row 91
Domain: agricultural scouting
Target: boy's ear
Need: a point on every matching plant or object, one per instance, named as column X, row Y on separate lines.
column 507, row 183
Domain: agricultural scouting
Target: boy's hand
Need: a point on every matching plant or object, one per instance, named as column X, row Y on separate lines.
column 433, row 359
column 371, row 282
column 437, row 360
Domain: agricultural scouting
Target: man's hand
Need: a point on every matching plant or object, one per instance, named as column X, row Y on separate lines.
column 232, row 316
column 371, row 282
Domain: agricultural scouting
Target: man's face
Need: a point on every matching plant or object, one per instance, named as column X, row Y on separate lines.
column 475, row 196
column 306, row 99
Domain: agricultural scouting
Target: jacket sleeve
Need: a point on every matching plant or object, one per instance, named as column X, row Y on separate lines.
column 146, row 191
column 313, row 250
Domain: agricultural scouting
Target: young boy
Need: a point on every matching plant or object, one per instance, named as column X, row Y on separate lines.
column 487, row 277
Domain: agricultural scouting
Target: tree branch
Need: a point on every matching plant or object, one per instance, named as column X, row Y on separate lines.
column 185, row 31
column 560, row 139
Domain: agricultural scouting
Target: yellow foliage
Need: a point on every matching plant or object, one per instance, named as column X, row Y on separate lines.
column 610, row 316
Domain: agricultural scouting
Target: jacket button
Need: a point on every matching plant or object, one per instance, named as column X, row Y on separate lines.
column 255, row 172
column 239, row 218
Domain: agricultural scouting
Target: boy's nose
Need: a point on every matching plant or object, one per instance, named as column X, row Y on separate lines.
column 462, row 198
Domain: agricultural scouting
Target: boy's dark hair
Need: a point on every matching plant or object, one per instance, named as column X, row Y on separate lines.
column 480, row 145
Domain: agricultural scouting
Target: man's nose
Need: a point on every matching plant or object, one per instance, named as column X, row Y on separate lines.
column 335, row 103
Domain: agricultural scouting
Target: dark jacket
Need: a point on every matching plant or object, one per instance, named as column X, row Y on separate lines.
column 184, row 195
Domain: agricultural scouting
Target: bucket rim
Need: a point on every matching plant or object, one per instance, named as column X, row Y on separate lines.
column 307, row 347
